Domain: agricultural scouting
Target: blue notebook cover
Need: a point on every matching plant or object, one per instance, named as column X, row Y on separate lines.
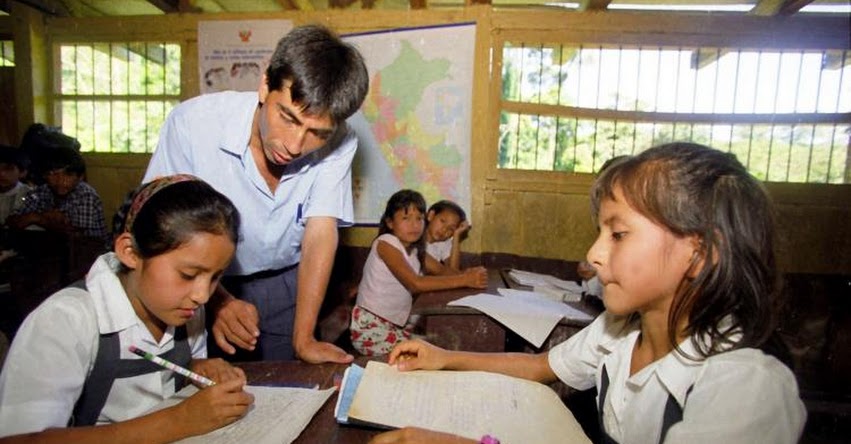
column 351, row 379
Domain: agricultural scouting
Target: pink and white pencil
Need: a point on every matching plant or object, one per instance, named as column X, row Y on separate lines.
column 172, row 366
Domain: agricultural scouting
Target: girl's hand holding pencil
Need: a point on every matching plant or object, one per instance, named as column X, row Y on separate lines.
column 213, row 407
column 218, row 404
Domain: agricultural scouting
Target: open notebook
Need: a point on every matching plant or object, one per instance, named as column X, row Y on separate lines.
column 470, row 404
column 278, row 416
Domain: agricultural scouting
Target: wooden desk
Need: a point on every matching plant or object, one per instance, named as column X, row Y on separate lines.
column 460, row 328
column 323, row 429
column 464, row 328
column 565, row 328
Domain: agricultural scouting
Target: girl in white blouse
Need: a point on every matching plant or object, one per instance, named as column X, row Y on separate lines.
column 685, row 253
column 392, row 274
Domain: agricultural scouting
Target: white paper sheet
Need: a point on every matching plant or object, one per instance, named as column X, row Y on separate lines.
column 278, row 416
column 528, row 314
column 543, row 280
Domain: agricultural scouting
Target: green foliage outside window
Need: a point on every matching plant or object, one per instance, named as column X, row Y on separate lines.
column 608, row 87
column 114, row 97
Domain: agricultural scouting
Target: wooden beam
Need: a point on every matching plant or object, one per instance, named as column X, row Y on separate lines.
column 763, row 8
column 340, row 4
column 593, row 5
column 166, row 6
column 473, row 2
column 299, row 5
column 778, row 7
column 50, row 7
column 419, row 4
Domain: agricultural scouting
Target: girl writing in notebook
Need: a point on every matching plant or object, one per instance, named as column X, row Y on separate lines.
column 392, row 274
column 70, row 366
column 685, row 253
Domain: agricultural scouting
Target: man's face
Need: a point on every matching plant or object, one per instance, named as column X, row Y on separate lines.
column 61, row 182
column 286, row 132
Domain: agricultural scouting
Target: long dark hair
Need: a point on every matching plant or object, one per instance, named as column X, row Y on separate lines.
column 404, row 200
column 694, row 190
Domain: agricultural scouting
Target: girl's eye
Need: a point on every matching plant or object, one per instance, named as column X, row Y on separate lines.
column 187, row 277
column 618, row 235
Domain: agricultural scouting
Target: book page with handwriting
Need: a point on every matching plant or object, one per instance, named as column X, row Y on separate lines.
column 465, row 403
column 278, row 416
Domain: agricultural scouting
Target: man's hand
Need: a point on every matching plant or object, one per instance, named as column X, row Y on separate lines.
column 236, row 323
column 315, row 352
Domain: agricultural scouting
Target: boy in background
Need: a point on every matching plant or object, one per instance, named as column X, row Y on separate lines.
column 64, row 202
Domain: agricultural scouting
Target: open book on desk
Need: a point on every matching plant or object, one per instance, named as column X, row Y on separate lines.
column 278, row 416
column 466, row 403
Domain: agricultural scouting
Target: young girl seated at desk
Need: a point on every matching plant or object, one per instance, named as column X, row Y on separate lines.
column 70, row 366
column 446, row 224
column 685, row 252
column 392, row 274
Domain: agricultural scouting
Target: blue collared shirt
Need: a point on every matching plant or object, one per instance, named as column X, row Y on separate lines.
column 208, row 136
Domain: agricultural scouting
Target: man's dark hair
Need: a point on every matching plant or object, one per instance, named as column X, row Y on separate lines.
column 327, row 74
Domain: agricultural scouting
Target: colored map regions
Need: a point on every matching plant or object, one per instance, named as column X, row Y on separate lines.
column 414, row 126
column 418, row 158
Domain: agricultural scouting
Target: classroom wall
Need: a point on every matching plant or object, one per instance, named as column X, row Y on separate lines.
column 537, row 214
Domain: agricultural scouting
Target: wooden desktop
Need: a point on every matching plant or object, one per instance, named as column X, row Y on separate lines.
column 323, row 429
column 464, row 328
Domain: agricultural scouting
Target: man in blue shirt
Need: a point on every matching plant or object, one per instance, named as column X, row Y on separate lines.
column 283, row 156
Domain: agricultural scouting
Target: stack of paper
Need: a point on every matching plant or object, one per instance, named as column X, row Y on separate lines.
column 550, row 286
column 525, row 313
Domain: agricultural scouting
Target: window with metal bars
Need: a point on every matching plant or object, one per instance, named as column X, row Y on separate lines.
column 113, row 97
column 7, row 53
column 785, row 114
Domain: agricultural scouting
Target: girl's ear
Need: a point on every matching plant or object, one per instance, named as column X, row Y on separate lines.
column 430, row 215
column 126, row 252
column 699, row 256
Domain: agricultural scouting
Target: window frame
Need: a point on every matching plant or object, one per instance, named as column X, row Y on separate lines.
column 81, row 31
column 673, row 30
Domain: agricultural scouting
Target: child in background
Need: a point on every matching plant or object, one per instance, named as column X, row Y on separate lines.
column 685, row 253
column 70, row 362
column 446, row 225
column 64, row 203
column 392, row 274
column 13, row 169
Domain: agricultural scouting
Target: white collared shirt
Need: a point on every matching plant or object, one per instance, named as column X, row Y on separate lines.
column 55, row 349
column 740, row 396
column 208, row 136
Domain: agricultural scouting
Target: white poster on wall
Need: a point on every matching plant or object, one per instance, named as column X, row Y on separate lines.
column 233, row 54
